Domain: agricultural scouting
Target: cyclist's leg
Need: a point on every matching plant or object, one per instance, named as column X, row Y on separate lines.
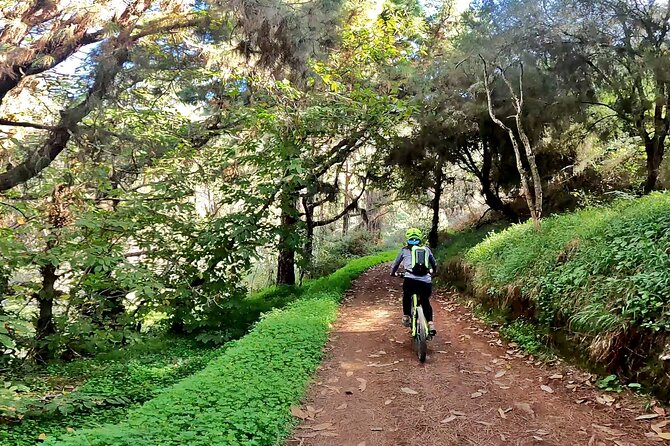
column 426, row 290
column 424, row 295
column 407, row 291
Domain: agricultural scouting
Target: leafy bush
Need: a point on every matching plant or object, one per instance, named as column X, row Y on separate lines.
column 333, row 252
column 456, row 244
column 243, row 397
column 450, row 253
column 525, row 334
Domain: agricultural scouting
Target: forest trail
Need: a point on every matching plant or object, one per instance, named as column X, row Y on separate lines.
column 474, row 389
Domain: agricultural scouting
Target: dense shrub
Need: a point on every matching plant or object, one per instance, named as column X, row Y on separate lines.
column 450, row 254
column 603, row 268
column 334, row 251
column 453, row 245
column 243, row 397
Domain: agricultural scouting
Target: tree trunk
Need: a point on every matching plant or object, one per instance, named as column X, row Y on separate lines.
column 286, row 266
column 433, row 235
column 533, row 196
column 309, row 239
column 372, row 213
column 491, row 198
column 286, row 259
column 347, row 180
column 655, row 148
column 44, row 326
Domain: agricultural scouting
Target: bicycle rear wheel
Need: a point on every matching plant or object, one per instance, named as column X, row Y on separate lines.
column 421, row 338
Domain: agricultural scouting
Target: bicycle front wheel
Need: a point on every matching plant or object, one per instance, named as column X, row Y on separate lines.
column 421, row 338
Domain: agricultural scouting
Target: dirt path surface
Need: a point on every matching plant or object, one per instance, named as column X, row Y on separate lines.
column 474, row 389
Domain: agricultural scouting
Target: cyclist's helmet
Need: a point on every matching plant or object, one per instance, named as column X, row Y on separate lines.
column 414, row 236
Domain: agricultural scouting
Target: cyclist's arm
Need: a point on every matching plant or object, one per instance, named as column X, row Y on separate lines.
column 396, row 264
column 432, row 261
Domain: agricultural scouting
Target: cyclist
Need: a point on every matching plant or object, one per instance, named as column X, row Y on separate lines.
column 419, row 263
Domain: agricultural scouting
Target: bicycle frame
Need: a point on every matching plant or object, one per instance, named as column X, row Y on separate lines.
column 419, row 328
column 415, row 315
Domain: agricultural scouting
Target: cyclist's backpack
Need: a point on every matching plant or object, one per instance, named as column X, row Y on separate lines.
column 420, row 263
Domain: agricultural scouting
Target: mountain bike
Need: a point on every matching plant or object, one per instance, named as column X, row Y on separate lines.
column 419, row 327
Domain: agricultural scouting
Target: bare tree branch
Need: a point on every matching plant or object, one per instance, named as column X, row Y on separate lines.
column 346, row 210
column 59, row 136
column 26, row 124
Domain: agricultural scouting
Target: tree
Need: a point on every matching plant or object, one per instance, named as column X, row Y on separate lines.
column 126, row 164
column 533, row 196
column 620, row 47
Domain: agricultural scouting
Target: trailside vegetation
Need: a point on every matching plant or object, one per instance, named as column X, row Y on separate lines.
column 596, row 278
column 244, row 396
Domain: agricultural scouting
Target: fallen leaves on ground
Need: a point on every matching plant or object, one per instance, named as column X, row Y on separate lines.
column 547, row 389
column 299, row 413
column 503, row 412
column 605, row 400
column 649, row 416
column 525, row 407
column 658, row 428
column 608, row 430
column 363, row 384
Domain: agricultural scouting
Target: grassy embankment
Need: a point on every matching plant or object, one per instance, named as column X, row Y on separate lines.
column 595, row 282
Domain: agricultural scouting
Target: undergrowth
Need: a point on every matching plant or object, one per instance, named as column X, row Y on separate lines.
column 456, row 244
column 244, row 396
column 93, row 391
column 596, row 280
column 526, row 335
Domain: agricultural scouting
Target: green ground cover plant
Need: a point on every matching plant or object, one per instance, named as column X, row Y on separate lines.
column 92, row 391
column 597, row 278
column 244, row 396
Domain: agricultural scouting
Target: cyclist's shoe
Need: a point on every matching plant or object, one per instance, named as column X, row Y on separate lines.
column 405, row 321
column 431, row 329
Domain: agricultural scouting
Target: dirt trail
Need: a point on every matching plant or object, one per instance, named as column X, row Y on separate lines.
column 473, row 389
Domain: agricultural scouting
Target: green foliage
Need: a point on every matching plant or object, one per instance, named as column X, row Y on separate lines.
column 611, row 383
column 244, row 396
column 456, row 244
column 340, row 280
column 603, row 268
column 525, row 334
column 51, row 400
column 335, row 250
